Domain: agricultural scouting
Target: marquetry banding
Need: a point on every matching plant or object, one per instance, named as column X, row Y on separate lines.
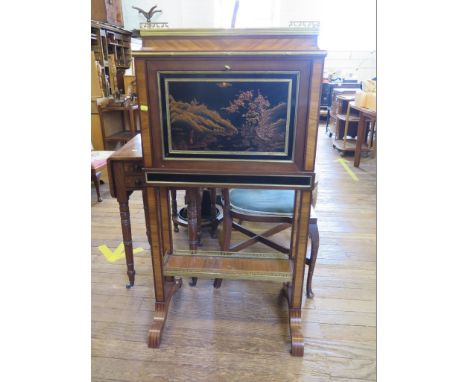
column 229, row 274
column 156, row 242
column 314, row 112
column 246, row 255
column 140, row 69
column 300, row 247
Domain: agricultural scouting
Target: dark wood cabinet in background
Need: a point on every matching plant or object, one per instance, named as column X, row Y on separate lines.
column 107, row 11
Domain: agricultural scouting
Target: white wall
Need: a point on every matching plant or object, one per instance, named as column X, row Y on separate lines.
column 347, row 27
column 353, row 64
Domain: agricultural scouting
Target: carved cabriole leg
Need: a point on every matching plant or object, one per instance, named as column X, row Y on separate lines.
column 174, row 209
column 299, row 249
column 163, row 288
column 145, row 208
column 314, row 246
column 127, row 238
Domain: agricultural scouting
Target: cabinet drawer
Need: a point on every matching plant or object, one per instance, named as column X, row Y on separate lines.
column 135, row 181
column 133, row 167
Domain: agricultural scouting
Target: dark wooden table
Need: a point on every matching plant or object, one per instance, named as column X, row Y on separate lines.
column 364, row 115
column 125, row 168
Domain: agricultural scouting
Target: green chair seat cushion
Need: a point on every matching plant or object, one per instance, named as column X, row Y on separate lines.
column 269, row 202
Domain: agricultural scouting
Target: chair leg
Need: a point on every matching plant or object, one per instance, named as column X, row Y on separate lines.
column 227, row 228
column 199, row 215
column 213, row 217
column 174, row 209
column 314, row 246
column 95, row 178
column 217, row 283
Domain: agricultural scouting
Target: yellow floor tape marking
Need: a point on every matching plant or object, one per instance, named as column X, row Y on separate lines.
column 348, row 170
column 118, row 254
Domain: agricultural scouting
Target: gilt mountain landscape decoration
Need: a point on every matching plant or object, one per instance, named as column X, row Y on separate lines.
column 238, row 115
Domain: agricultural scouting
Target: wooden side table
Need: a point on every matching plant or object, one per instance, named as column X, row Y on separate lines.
column 125, row 176
column 365, row 115
column 129, row 113
column 125, row 169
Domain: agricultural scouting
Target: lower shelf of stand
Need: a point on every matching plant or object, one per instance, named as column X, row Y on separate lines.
column 229, row 265
column 350, row 145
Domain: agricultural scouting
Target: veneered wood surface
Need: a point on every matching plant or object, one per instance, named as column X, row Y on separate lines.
column 252, row 43
column 229, row 267
column 130, row 151
column 241, row 331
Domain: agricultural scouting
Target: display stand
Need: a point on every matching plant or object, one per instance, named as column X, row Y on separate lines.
column 221, row 109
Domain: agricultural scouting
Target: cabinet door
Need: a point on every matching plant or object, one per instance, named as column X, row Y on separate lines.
column 242, row 114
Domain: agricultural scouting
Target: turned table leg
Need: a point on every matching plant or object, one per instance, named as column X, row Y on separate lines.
column 127, row 238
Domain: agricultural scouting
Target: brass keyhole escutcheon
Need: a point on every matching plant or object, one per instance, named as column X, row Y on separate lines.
column 227, row 67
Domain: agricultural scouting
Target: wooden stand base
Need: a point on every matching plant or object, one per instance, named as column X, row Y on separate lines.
column 295, row 324
column 161, row 308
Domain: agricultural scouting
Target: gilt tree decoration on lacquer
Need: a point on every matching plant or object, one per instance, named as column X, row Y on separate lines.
column 263, row 126
column 195, row 126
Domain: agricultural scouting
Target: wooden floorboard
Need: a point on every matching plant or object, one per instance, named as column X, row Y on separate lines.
column 240, row 331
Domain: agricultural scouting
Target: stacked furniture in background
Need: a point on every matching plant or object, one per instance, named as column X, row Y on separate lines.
column 338, row 109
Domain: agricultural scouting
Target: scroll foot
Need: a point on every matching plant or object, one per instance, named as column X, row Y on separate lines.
column 295, row 324
column 160, row 314
column 295, row 327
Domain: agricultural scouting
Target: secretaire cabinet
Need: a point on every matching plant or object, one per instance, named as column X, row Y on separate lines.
column 228, row 108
